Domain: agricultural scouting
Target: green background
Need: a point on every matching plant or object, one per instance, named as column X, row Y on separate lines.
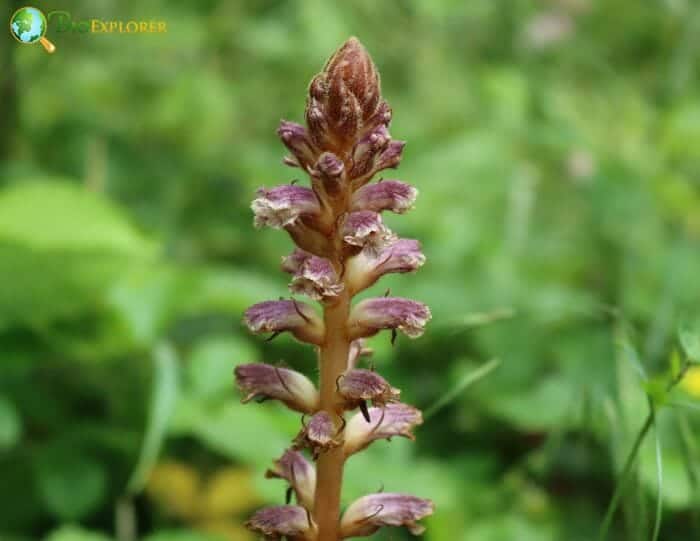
column 556, row 147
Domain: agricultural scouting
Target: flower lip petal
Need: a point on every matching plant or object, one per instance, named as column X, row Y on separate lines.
column 292, row 521
column 299, row 473
column 394, row 419
column 330, row 165
column 286, row 315
column 365, row 228
column 391, row 157
column 297, row 140
column 365, row 268
column 392, row 195
column 312, row 275
column 283, row 205
column 368, row 148
column 367, row 514
column 318, row 434
column 372, row 315
column 361, row 384
column 288, row 386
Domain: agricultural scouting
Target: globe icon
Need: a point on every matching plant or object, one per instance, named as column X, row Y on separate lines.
column 28, row 25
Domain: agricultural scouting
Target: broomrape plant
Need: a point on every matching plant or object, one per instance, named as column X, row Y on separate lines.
column 342, row 248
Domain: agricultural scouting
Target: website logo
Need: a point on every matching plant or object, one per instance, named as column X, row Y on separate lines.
column 28, row 26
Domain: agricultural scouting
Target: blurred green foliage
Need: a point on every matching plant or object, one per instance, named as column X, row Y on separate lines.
column 556, row 146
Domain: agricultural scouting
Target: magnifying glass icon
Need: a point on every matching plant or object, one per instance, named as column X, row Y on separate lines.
column 28, row 26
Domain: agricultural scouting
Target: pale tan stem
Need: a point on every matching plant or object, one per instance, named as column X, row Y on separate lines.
column 333, row 362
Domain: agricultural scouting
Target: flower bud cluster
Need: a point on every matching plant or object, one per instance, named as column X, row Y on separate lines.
column 342, row 248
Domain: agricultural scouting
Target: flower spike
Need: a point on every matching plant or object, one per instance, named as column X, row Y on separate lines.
column 341, row 248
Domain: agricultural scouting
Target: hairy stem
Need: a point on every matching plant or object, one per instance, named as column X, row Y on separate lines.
column 334, row 359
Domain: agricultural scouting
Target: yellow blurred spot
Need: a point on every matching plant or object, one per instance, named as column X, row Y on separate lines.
column 176, row 487
column 216, row 505
column 691, row 381
column 229, row 491
column 227, row 529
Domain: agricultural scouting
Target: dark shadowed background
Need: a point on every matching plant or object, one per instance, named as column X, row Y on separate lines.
column 556, row 147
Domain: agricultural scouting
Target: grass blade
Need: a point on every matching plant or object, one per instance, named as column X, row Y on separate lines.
column 466, row 381
column 624, row 476
column 660, row 484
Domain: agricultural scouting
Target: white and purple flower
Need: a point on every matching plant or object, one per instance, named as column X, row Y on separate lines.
column 282, row 206
column 286, row 315
column 260, row 380
column 394, row 419
column 366, row 515
column 370, row 316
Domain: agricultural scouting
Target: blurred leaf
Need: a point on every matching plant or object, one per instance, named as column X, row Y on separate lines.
column 510, row 526
column 75, row 533
column 10, row 424
column 689, row 336
column 70, row 484
column 182, row 535
column 62, row 255
column 212, row 362
column 540, row 407
column 67, row 217
column 252, row 433
column 152, row 298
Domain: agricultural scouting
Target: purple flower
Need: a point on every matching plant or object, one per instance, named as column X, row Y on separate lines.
column 366, row 229
column 299, row 473
column 311, row 275
column 364, row 269
column 391, row 157
column 372, row 315
column 367, row 149
column 360, row 385
column 331, row 171
column 318, row 434
column 288, row 386
column 286, row 315
column 282, row 206
column 392, row 195
column 284, row 521
column 394, row 419
column 297, row 140
column 366, row 515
